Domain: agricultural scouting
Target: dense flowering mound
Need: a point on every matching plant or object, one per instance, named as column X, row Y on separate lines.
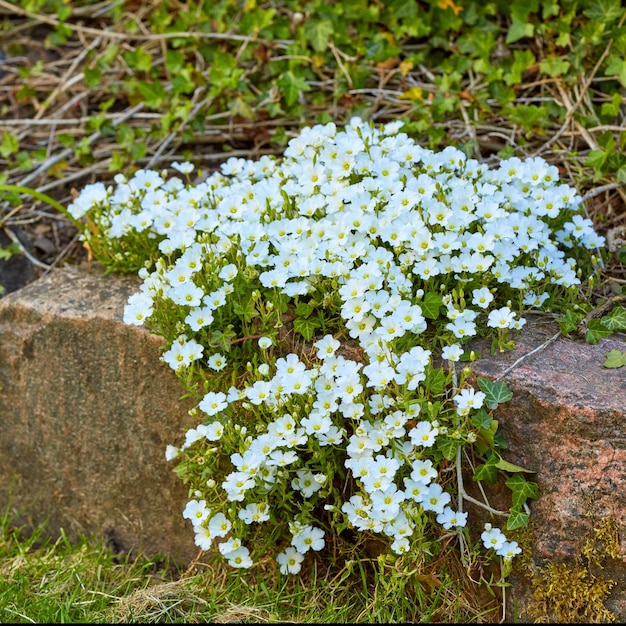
column 355, row 236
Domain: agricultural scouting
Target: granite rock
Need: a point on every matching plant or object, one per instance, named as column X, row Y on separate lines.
column 87, row 411
column 567, row 423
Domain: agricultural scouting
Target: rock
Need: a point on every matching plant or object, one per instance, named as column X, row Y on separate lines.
column 567, row 422
column 88, row 408
column 87, row 411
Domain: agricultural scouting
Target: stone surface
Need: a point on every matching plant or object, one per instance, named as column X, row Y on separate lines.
column 567, row 422
column 87, row 409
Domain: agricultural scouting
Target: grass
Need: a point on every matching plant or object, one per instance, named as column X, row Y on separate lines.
column 57, row 581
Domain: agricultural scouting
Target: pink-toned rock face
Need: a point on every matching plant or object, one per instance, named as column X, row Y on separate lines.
column 567, row 422
column 87, row 410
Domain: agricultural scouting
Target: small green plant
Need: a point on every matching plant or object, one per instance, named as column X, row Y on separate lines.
column 317, row 308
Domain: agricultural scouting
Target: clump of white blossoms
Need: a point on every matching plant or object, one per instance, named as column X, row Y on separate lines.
column 356, row 237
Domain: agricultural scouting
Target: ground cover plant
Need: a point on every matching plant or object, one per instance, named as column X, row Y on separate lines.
column 267, row 300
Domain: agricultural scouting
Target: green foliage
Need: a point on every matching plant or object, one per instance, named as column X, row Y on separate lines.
column 495, row 392
column 615, row 359
column 281, row 64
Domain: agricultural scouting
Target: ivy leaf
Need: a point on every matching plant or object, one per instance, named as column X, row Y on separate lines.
column 487, row 439
column 517, row 520
column 495, row 393
column 519, row 30
column 303, row 309
column 488, row 471
column 605, row 11
column 306, row 326
column 482, row 419
column 569, row 322
column 152, row 93
column 318, row 33
column 596, row 330
column 511, row 467
column 615, row 359
column 245, row 310
column 430, row 305
column 521, row 490
column 554, row 66
column 9, row 145
column 292, row 86
column 448, row 447
column 616, row 66
column 616, row 319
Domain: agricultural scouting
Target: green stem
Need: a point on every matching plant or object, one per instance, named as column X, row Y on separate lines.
column 44, row 198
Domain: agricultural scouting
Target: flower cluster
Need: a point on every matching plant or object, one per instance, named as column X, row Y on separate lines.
column 357, row 237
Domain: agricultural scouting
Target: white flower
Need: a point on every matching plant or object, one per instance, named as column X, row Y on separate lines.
column 290, row 561
column 482, row 297
column 435, row 499
column 468, row 399
column 213, row 403
column 508, row 550
column 452, row 352
column 423, row 434
column 326, row 346
column 183, row 168
column 449, row 518
column 219, row 525
column 493, row 537
column 308, row 538
column 501, row 318
column 214, row 431
column 171, row 452
column 196, row 511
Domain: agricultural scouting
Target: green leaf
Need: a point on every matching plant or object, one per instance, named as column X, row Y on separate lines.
column 92, row 76
column 615, row 359
column 605, row 11
column 612, row 108
column 431, row 305
column 521, row 490
column 518, row 30
column 318, row 33
column 9, row 145
column 616, row 319
column 9, row 251
column 517, row 520
column 488, row 471
column 152, row 93
column 292, row 86
column 616, row 66
column 306, row 326
column 522, row 60
column 245, row 310
column 495, row 393
column 569, row 322
column 435, row 380
column 482, row 419
column 303, row 309
column 596, row 330
column 511, row 467
column 448, row 447
column 554, row 66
